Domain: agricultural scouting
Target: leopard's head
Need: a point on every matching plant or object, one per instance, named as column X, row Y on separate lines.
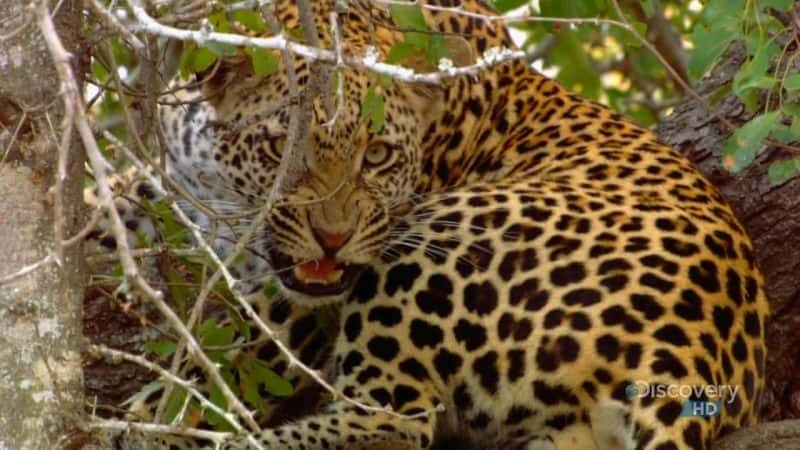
column 356, row 179
column 335, row 214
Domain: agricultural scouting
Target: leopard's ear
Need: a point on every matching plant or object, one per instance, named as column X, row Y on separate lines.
column 222, row 74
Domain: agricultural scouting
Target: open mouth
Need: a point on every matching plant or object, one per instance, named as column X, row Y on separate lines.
column 322, row 277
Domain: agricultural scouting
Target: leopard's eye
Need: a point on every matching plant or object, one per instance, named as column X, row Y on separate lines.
column 376, row 155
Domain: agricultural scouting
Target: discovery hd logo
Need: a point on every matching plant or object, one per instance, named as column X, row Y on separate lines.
column 698, row 401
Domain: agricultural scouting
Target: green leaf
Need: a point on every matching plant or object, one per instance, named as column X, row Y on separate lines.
column 202, row 58
column 99, row 71
column 720, row 24
column 220, row 21
column 216, row 397
column 185, row 64
column 742, row 147
column 161, row 348
column 196, row 59
column 273, row 383
column 507, row 5
column 792, row 82
column 417, row 40
column 784, row 133
column 271, row 289
column 385, row 80
column 177, row 285
column 372, row 109
column 408, row 16
column 399, row 52
column 250, row 19
column 787, row 133
column 581, row 75
column 216, row 336
column 296, row 34
column 249, row 386
column 436, row 49
column 175, row 403
column 751, row 100
column 172, row 231
column 144, row 392
column 780, row 5
column 791, row 110
column 709, row 44
column 781, row 171
column 754, row 74
column 631, row 39
column 221, row 49
column 561, row 8
column 264, row 61
column 649, row 7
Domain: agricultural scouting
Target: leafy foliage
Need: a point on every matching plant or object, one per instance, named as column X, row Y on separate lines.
column 761, row 83
column 603, row 61
column 608, row 63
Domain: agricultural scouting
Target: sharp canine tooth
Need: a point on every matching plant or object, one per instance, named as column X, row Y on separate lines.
column 334, row 275
column 300, row 274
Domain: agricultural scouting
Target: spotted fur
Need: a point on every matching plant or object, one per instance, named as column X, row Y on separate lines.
column 519, row 255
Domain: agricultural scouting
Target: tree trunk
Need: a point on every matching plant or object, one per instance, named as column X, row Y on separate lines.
column 771, row 214
column 40, row 289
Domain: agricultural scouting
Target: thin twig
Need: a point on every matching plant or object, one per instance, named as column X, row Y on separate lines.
column 155, row 428
column 109, row 20
column 340, row 79
column 97, row 214
column 16, row 31
column 27, row 269
column 14, row 136
column 102, row 350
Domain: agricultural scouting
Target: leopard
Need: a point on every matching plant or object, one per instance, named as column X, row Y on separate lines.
column 190, row 115
column 513, row 264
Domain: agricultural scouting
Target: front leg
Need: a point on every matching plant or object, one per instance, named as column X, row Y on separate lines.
column 348, row 427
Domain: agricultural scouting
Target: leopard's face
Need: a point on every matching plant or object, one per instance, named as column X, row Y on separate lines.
column 335, row 215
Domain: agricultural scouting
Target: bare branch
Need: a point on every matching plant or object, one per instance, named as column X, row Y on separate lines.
column 109, row 20
column 154, row 428
column 27, row 269
column 279, row 42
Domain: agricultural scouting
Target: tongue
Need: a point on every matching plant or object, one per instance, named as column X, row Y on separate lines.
column 319, row 269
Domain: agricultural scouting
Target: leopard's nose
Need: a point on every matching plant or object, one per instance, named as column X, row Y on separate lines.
column 330, row 242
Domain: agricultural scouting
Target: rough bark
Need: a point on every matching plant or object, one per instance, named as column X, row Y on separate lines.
column 40, row 311
column 771, row 214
